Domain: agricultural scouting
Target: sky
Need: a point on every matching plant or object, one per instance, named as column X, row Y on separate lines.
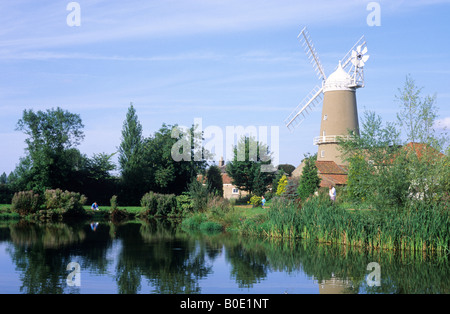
column 225, row 63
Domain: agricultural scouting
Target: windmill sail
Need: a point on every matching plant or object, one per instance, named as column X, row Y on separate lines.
column 306, row 42
column 304, row 108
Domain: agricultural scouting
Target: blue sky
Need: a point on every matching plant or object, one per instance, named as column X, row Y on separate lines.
column 227, row 62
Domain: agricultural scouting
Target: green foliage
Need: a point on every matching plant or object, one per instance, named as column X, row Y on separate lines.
column 309, row 180
column 214, row 180
column 185, row 204
column 386, row 174
column 417, row 115
column 255, row 201
column 287, row 168
column 6, row 193
column 251, row 168
column 52, row 158
column 113, row 202
column 199, row 194
column 65, row 202
column 159, row 204
column 421, row 228
column 281, row 187
column 25, row 202
column 131, row 159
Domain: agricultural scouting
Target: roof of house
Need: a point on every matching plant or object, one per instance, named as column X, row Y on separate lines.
column 330, row 167
column 331, row 173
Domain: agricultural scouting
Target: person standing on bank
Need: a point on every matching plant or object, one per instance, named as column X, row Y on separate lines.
column 332, row 193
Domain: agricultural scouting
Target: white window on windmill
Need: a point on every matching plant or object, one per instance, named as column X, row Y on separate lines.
column 322, row 153
column 325, row 117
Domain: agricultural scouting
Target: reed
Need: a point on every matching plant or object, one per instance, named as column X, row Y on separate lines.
column 423, row 227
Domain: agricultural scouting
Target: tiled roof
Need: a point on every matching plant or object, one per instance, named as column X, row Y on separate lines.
column 331, row 173
column 330, row 167
column 332, row 179
column 226, row 178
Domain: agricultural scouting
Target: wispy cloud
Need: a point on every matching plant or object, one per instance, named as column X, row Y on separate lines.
column 34, row 27
column 442, row 124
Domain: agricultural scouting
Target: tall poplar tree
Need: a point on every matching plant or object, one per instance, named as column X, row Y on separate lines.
column 131, row 158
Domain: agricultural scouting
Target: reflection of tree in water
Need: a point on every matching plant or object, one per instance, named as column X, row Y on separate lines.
column 247, row 266
column 171, row 263
column 42, row 251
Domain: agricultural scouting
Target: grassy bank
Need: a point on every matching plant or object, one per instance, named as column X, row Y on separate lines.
column 6, row 214
column 419, row 228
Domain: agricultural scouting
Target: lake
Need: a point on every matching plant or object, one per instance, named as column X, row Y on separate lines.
column 158, row 257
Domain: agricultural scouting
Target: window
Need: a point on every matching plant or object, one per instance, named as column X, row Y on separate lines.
column 325, row 117
column 322, row 153
column 235, row 191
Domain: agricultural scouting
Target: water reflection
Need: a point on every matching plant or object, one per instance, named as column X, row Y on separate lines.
column 158, row 257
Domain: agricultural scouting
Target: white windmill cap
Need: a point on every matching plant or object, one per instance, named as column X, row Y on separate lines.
column 338, row 80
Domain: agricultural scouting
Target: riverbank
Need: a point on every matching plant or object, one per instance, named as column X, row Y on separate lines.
column 417, row 228
column 420, row 228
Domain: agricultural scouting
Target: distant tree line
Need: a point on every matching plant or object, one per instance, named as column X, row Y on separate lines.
column 53, row 161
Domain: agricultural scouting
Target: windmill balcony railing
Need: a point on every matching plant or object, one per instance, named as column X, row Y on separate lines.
column 330, row 139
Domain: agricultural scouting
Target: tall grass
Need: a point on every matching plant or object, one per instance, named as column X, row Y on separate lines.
column 420, row 228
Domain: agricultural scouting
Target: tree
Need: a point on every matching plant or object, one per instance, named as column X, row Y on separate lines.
column 426, row 166
column 3, row 178
column 417, row 115
column 246, row 167
column 131, row 146
column 309, row 181
column 377, row 171
column 281, row 186
column 52, row 138
column 214, row 180
column 168, row 173
column 131, row 159
column 287, row 168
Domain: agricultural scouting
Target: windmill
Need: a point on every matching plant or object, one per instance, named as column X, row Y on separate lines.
column 339, row 110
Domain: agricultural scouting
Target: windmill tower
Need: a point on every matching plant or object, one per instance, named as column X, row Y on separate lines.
column 339, row 110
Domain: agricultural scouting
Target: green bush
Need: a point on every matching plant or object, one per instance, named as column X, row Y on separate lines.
column 65, row 202
column 211, row 226
column 282, row 183
column 113, row 202
column 185, row 204
column 159, row 204
column 25, row 202
column 199, row 194
column 255, row 201
column 193, row 222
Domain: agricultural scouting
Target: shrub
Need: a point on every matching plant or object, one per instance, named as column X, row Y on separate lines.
column 67, row 203
column 211, row 226
column 25, row 202
column 193, row 222
column 220, row 204
column 255, row 201
column 185, row 203
column 199, row 194
column 113, row 202
column 159, row 204
column 281, row 187
column 149, row 203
